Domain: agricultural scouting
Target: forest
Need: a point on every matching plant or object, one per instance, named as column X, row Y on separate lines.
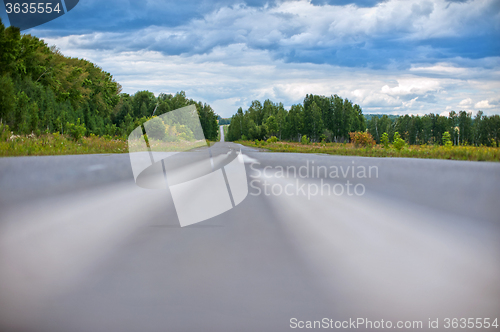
column 42, row 91
column 429, row 129
column 331, row 119
column 319, row 118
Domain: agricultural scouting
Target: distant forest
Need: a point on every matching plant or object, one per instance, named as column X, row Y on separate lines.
column 331, row 119
column 42, row 91
column 429, row 129
column 368, row 117
column 319, row 118
column 224, row 121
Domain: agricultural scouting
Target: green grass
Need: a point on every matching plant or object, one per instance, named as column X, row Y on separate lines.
column 472, row 153
column 56, row 144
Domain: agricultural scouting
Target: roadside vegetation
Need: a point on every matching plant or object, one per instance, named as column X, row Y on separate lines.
column 333, row 125
column 56, row 144
column 74, row 142
column 332, row 119
column 368, row 148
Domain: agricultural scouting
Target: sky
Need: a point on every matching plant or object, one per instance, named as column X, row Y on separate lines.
column 390, row 57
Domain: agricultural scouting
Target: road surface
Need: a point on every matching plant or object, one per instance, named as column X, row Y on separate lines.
column 221, row 131
column 82, row 248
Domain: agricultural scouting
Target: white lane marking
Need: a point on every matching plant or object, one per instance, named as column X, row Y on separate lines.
column 249, row 160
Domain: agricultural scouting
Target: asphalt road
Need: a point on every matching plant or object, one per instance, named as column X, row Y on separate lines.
column 82, row 248
column 221, row 131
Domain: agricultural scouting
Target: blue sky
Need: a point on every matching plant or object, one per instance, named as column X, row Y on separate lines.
column 394, row 57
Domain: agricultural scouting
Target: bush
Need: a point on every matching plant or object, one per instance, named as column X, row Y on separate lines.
column 305, row 140
column 361, row 138
column 399, row 143
column 76, row 131
column 385, row 140
column 272, row 139
column 155, row 128
column 5, row 133
column 447, row 139
column 171, row 134
column 243, row 138
column 184, row 133
column 111, row 129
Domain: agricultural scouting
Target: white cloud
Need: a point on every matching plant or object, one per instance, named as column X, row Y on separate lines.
column 378, row 100
column 487, row 104
column 228, row 103
column 466, row 102
column 440, row 69
column 415, row 86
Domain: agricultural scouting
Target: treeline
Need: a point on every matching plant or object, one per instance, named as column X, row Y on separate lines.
column 368, row 117
column 224, row 121
column 429, row 129
column 331, row 119
column 42, row 91
column 318, row 117
column 133, row 110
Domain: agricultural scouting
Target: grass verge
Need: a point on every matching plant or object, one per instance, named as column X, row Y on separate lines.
column 472, row 153
column 56, row 144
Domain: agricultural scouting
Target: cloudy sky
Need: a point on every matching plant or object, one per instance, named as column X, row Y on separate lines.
column 395, row 57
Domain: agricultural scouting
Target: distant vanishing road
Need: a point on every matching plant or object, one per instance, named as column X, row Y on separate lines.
column 82, row 248
column 221, row 131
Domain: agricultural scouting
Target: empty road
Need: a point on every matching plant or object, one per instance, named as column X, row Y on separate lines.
column 221, row 131
column 83, row 248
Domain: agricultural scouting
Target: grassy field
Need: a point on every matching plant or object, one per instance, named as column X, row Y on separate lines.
column 472, row 153
column 56, row 144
